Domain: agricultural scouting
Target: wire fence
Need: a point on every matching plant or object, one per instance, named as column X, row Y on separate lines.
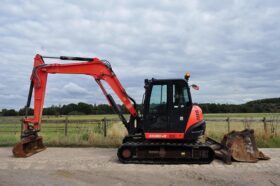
column 65, row 125
column 266, row 125
column 12, row 125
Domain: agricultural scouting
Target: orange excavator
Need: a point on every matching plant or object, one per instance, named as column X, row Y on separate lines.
column 167, row 130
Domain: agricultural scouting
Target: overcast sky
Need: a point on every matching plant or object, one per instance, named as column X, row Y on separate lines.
column 231, row 48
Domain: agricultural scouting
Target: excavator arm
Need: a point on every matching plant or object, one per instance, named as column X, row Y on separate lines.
column 98, row 69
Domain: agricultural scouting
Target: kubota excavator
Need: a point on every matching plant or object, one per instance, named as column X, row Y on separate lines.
column 167, row 131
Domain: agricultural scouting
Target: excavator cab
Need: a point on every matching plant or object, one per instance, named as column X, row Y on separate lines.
column 171, row 124
column 164, row 98
column 167, row 110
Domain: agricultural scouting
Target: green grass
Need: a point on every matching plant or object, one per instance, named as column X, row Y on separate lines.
column 9, row 139
column 88, row 137
column 270, row 139
column 85, row 134
column 78, row 134
column 80, row 117
column 242, row 115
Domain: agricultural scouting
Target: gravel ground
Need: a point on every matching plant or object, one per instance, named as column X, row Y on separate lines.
column 98, row 166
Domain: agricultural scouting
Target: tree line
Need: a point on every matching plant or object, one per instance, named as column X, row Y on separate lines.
column 69, row 109
column 271, row 105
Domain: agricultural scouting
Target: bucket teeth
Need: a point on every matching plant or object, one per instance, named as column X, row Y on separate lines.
column 28, row 146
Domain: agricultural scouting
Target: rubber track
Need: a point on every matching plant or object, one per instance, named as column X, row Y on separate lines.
column 148, row 160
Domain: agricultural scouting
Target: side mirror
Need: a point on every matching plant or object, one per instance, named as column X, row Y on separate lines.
column 195, row 87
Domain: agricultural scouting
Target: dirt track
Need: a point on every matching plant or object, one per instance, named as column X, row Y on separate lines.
column 96, row 166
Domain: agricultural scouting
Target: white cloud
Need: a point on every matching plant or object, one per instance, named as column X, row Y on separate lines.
column 2, row 86
column 73, row 88
column 231, row 48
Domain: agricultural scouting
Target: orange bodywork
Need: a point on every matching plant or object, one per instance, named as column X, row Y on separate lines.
column 95, row 68
column 195, row 117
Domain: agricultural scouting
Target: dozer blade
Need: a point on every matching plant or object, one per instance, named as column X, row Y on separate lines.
column 221, row 151
column 28, row 146
column 242, row 146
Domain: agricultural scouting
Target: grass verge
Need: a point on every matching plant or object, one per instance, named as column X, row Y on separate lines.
column 86, row 135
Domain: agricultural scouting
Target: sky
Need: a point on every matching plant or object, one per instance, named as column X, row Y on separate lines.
column 231, row 48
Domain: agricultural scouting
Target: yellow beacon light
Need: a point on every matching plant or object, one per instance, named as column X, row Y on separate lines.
column 187, row 76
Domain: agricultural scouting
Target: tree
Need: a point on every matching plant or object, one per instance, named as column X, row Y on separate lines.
column 85, row 108
column 22, row 111
column 11, row 112
column 68, row 108
column 53, row 110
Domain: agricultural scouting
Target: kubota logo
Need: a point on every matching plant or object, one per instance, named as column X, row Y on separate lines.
column 158, row 136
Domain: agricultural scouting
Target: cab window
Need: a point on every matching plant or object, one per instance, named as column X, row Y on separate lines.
column 158, row 100
column 180, row 95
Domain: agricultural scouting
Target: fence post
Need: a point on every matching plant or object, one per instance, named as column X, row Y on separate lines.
column 264, row 125
column 228, row 124
column 15, row 128
column 21, row 128
column 66, row 126
column 105, row 126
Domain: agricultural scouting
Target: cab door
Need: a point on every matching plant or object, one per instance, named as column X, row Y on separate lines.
column 180, row 105
column 156, row 116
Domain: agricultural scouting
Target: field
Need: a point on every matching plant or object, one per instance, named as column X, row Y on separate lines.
column 267, row 134
column 79, row 131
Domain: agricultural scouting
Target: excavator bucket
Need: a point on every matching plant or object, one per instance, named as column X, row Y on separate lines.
column 242, row 146
column 28, row 146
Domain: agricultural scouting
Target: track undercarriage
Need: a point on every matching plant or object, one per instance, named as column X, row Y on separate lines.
column 167, row 152
column 237, row 146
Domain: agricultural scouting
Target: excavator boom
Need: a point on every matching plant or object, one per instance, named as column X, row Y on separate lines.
column 98, row 69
